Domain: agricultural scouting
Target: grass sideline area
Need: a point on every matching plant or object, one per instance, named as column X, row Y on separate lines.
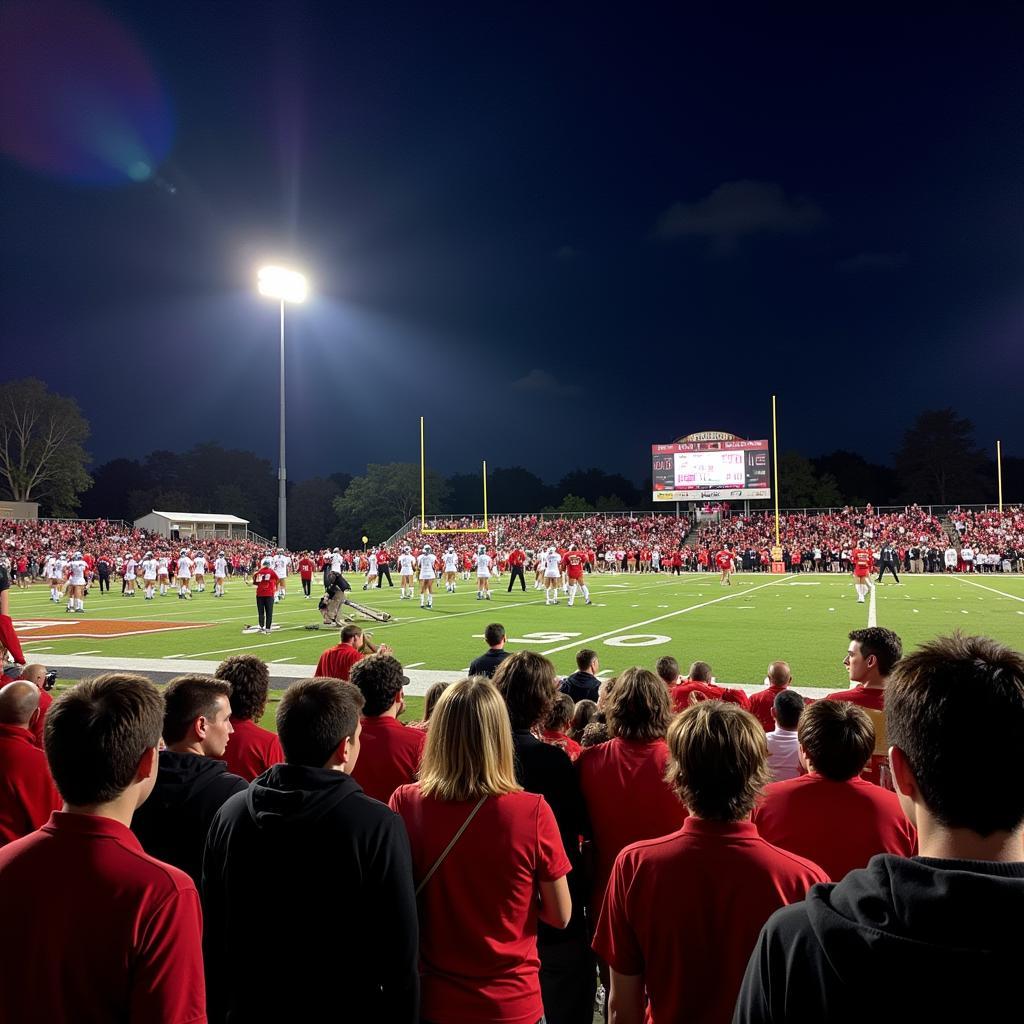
column 634, row 619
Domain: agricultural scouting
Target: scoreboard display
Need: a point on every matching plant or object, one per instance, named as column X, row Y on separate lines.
column 710, row 470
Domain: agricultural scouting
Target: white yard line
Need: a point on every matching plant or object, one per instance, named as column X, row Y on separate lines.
column 661, row 618
column 992, row 590
column 872, row 616
column 77, row 654
column 415, row 664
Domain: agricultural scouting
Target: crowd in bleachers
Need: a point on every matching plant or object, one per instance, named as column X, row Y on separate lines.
column 693, row 852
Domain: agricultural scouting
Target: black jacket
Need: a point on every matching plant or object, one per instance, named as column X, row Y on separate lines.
column 172, row 824
column 310, row 880
column 900, row 940
column 488, row 662
column 581, row 686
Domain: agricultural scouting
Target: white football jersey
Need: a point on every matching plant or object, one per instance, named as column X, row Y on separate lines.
column 483, row 565
column 336, row 562
column 76, row 571
column 161, row 566
column 199, row 565
column 427, row 567
column 149, row 568
column 184, row 567
column 220, row 567
column 129, row 569
column 405, row 565
column 451, row 561
column 59, row 565
column 48, row 568
column 372, row 564
column 281, row 565
column 551, row 563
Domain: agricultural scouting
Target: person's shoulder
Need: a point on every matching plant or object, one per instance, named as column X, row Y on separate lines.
column 793, row 863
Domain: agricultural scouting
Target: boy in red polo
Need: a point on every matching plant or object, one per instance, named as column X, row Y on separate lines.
column 871, row 656
column 831, row 815
column 337, row 661
column 252, row 749
column 682, row 912
column 389, row 752
column 95, row 928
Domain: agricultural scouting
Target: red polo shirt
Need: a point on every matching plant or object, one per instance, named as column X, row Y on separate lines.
column 627, row 798
column 839, row 825
column 761, row 704
column 251, row 750
column 685, row 911
column 336, row 662
column 98, row 930
column 680, row 693
column 873, row 698
column 478, row 913
column 27, row 793
column 389, row 756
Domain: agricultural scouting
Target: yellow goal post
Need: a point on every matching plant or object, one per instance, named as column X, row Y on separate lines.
column 423, row 498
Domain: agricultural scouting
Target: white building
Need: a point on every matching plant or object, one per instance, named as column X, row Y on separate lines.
column 180, row 526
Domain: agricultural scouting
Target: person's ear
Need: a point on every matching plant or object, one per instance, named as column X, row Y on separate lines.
column 804, row 760
column 147, row 765
column 902, row 773
column 199, row 727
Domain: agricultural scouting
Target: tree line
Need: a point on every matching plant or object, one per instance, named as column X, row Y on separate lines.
column 43, row 458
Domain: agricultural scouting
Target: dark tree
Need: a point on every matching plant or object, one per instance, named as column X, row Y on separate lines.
column 939, row 462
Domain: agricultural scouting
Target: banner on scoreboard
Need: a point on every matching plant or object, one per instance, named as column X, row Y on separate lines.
column 720, row 470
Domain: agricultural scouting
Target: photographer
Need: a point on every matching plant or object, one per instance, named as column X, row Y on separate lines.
column 336, row 662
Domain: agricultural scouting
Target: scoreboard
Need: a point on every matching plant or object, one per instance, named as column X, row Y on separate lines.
column 718, row 470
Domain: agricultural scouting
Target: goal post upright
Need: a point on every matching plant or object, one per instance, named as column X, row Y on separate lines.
column 423, row 495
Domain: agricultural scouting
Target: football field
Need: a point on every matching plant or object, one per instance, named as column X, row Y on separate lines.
column 634, row 619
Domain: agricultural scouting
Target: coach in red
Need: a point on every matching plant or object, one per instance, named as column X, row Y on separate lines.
column 252, row 749
column 682, row 912
column 389, row 752
column 27, row 793
column 94, row 929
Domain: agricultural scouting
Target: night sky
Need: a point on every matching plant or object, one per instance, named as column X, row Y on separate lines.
column 561, row 235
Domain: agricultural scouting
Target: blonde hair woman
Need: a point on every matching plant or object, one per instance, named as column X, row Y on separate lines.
column 488, row 864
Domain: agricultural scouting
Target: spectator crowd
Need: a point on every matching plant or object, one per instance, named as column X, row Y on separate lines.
column 689, row 851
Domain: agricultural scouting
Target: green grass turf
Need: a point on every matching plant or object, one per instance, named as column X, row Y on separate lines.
column 634, row 620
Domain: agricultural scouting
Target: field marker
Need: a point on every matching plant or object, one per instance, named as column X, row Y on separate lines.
column 872, row 615
column 75, row 654
column 415, row 664
column 971, row 583
column 277, row 661
column 661, row 618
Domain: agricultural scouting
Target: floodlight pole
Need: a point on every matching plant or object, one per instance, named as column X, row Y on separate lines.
column 282, row 499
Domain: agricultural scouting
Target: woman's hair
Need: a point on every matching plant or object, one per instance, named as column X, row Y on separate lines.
column 560, row 715
column 585, row 712
column 638, row 707
column 434, row 692
column 468, row 753
column 529, row 685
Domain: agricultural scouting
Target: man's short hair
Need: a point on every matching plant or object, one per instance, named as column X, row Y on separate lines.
column 249, row 677
column 955, row 707
column 379, row 679
column 585, row 658
column 187, row 698
column 718, row 760
column 667, row 669
column 838, row 738
column 779, row 673
column 494, row 634
column 97, row 732
column 350, row 632
column 789, row 706
column 883, row 643
column 638, row 706
column 700, row 672
column 528, row 684
column 314, row 717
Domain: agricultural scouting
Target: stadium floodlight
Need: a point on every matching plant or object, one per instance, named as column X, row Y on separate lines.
column 284, row 286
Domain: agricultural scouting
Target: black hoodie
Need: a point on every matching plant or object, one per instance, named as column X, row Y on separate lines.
column 307, row 875
column 172, row 824
column 901, row 940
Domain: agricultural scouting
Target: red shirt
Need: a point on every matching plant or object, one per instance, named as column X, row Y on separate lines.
column 478, row 913
column 839, row 825
column 27, row 793
column 873, row 698
column 723, row 560
column 680, row 693
column 336, row 662
column 627, row 798
column 685, row 911
column 45, row 700
column 389, row 756
column 559, row 739
column 129, row 942
column 862, row 560
column 761, row 704
column 266, row 582
column 574, row 561
column 306, row 568
column 251, row 750
column 517, row 557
